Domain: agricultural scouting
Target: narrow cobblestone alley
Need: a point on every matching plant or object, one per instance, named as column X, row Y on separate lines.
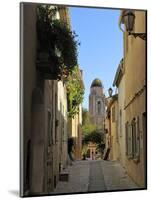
column 93, row 176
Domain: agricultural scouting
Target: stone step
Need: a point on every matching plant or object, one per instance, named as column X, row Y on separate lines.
column 64, row 176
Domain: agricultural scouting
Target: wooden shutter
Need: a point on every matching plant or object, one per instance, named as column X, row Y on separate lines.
column 126, row 137
column 130, row 144
column 137, row 138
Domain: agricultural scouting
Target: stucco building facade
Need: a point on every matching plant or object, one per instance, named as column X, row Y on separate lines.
column 130, row 82
column 119, row 82
column 111, row 126
column 134, row 63
column 44, row 114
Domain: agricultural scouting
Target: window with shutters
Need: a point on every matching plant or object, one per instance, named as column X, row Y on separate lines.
column 128, row 131
column 133, row 139
column 137, row 140
column 130, row 141
column 126, row 137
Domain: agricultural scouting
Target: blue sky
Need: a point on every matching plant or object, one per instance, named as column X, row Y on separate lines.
column 101, row 45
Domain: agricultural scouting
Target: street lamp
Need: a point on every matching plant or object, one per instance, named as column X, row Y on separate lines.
column 129, row 20
column 110, row 91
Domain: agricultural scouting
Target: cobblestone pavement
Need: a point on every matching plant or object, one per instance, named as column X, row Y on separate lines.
column 90, row 176
column 96, row 177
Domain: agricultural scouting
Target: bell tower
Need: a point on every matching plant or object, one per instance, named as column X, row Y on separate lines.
column 97, row 104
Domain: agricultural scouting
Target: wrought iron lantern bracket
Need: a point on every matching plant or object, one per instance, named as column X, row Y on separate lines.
column 140, row 35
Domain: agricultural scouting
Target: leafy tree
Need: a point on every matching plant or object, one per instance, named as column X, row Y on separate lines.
column 87, row 126
column 96, row 137
column 90, row 133
column 85, row 116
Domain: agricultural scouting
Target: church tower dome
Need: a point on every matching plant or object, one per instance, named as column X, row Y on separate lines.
column 97, row 103
column 96, row 87
column 96, row 83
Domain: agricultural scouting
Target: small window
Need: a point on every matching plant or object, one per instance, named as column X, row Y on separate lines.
column 99, row 107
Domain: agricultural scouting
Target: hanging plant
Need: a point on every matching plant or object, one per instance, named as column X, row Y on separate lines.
column 57, row 40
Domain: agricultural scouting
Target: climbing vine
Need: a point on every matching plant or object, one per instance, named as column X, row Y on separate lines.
column 56, row 39
column 75, row 91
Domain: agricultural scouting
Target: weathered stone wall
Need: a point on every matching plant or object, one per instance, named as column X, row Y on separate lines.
column 44, row 121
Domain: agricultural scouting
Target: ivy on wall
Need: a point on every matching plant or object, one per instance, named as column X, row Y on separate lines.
column 75, row 91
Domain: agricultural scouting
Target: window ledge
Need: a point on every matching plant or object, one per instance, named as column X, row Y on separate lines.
column 129, row 157
column 136, row 160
